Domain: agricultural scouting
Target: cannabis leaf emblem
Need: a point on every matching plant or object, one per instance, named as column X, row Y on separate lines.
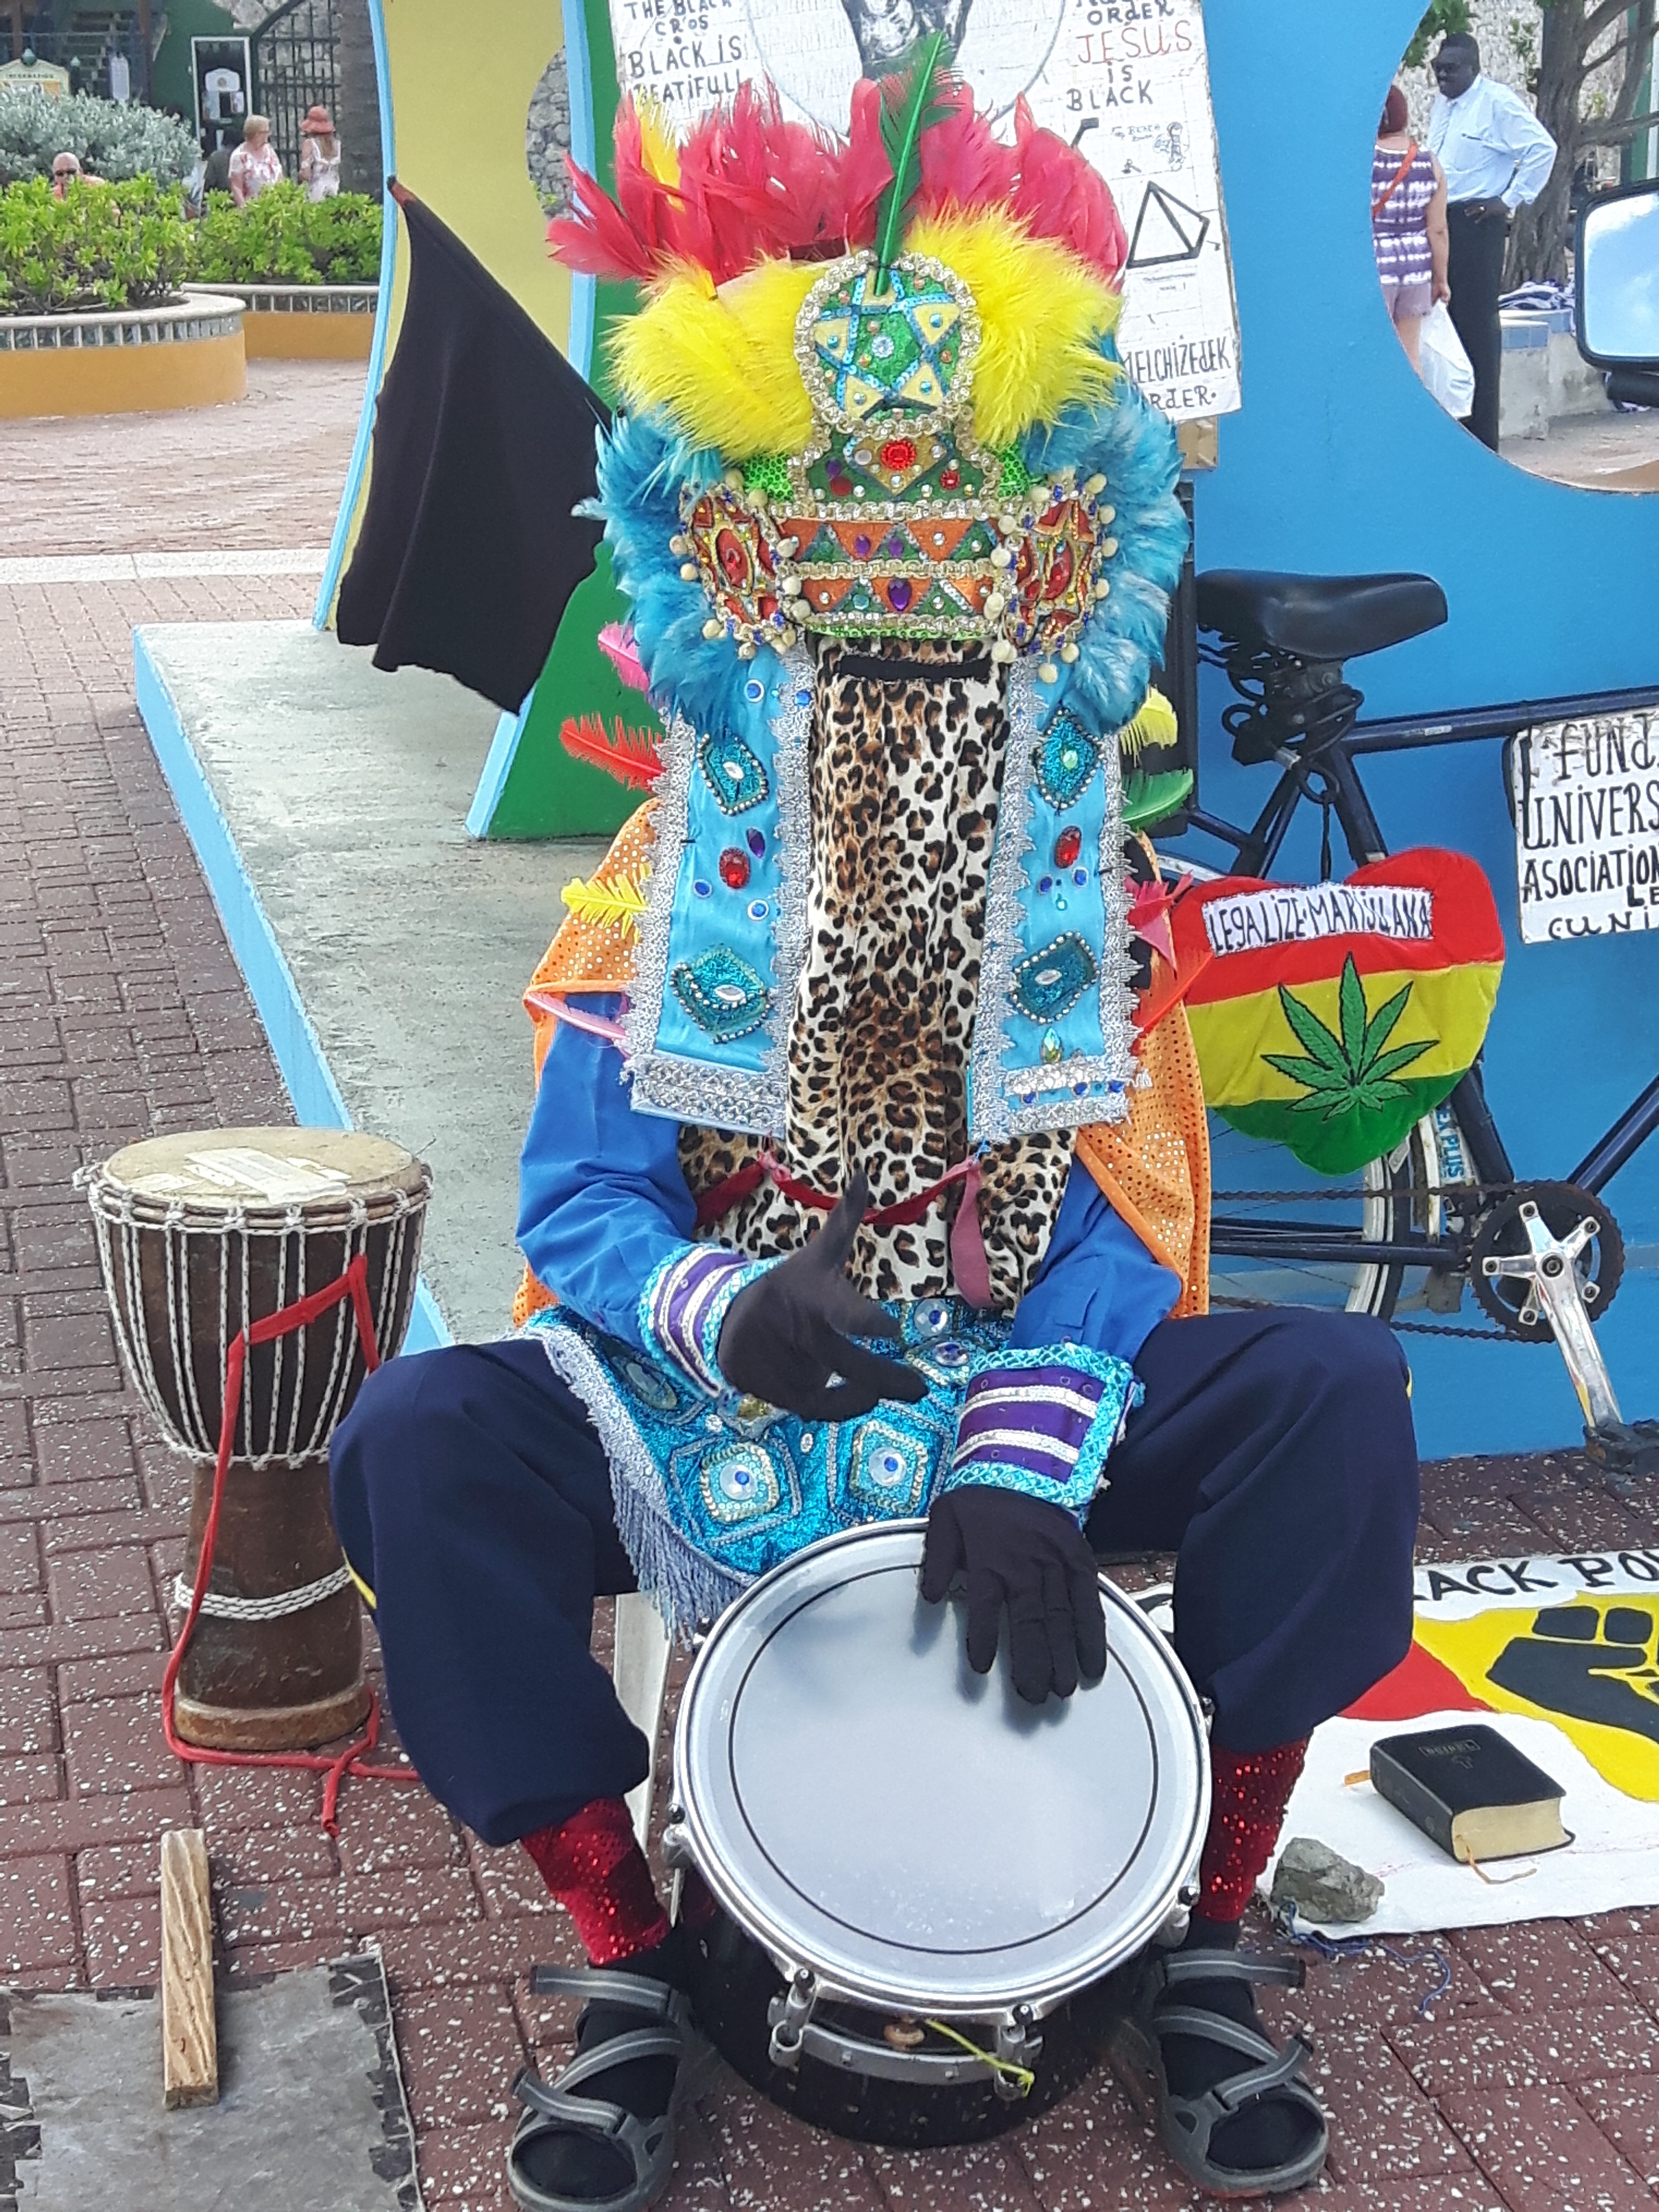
column 1352, row 1071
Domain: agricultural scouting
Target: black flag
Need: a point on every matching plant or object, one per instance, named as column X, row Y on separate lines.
column 483, row 442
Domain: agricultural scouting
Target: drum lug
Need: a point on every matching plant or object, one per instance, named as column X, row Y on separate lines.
column 676, row 1844
column 1016, row 2046
column 787, row 2017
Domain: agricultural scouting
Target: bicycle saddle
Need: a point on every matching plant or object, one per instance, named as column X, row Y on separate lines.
column 1322, row 618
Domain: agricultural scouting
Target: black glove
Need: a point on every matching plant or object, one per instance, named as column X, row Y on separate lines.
column 791, row 1330
column 1032, row 1556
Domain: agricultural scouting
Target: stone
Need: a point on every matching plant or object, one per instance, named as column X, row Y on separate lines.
column 1322, row 1885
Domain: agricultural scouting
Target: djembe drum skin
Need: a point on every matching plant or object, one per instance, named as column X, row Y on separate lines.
column 200, row 1234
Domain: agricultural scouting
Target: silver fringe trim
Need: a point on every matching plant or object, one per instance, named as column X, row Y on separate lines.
column 698, row 1090
column 999, row 1110
column 686, row 1587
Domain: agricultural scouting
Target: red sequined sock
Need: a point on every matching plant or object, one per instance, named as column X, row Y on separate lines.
column 1249, row 1792
column 593, row 1865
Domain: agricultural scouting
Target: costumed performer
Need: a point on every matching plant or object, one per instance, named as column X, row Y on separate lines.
column 866, row 1034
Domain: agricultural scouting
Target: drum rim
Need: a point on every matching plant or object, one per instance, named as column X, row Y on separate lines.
column 1043, row 1993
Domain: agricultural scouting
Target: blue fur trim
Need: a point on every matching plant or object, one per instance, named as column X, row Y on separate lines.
column 1134, row 447
column 644, row 466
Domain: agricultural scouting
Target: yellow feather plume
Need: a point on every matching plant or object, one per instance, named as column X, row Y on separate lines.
column 1040, row 310
column 616, row 904
column 722, row 363
column 658, row 151
column 1153, row 727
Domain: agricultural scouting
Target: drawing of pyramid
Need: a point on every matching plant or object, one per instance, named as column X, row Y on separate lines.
column 1166, row 230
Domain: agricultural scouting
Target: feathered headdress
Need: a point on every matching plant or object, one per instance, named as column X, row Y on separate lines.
column 871, row 391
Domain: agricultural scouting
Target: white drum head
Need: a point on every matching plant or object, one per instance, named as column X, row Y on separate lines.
column 864, row 1804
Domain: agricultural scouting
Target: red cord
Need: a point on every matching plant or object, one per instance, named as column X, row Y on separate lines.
column 354, row 1284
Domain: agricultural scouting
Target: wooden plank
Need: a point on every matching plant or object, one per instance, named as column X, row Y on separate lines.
column 639, row 1668
column 190, row 2041
column 1201, row 442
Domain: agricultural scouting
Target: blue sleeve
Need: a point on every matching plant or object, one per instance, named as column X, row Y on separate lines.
column 1098, row 1284
column 602, row 1202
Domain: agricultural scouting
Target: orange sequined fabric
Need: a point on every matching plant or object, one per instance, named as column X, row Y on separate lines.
column 585, row 956
column 1250, row 1791
column 1155, row 1165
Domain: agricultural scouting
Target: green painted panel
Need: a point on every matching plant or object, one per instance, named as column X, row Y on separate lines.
column 545, row 793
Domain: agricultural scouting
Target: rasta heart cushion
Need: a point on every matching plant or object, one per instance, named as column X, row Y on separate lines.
column 1329, row 1018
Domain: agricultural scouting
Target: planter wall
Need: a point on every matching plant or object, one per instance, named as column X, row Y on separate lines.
column 137, row 361
column 303, row 322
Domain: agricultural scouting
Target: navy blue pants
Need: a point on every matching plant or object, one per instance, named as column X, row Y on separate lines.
column 1274, row 1454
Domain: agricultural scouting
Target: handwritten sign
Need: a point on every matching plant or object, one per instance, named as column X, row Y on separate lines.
column 1587, row 827
column 1127, row 80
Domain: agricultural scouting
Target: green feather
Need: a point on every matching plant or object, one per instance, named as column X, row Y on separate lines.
column 910, row 102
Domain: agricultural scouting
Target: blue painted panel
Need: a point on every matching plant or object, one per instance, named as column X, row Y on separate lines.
column 298, row 1049
column 358, row 465
column 1339, row 462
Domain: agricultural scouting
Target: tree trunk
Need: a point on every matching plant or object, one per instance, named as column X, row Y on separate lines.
column 359, row 117
column 1538, row 244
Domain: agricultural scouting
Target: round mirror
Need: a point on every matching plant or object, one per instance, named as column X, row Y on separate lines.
column 1509, row 135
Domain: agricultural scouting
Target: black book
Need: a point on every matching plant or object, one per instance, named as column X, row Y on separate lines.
column 1470, row 1791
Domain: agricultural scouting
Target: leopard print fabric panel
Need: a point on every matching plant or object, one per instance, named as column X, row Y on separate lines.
column 905, row 774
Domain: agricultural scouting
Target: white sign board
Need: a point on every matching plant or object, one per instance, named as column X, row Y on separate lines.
column 1132, row 76
column 1587, row 827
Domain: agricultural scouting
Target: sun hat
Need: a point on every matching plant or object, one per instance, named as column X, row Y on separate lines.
column 319, row 124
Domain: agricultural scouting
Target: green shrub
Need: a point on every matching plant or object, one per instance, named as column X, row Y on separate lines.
column 118, row 139
column 100, row 245
column 283, row 238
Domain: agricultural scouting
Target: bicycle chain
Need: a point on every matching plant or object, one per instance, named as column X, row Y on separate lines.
column 1399, row 1328
column 1346, row 1195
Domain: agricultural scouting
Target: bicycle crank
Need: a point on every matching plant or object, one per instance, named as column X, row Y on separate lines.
column 1546, row 1288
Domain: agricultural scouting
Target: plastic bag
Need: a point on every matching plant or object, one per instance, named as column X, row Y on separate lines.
column 1447, row 369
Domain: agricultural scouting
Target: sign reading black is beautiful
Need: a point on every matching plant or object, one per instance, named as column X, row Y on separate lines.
column 1587, row 827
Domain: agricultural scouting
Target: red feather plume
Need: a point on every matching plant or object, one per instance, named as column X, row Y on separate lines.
column 754, row 186
column 631, row 755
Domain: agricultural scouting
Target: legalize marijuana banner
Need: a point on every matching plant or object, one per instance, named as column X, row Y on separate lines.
column 1329, row 1018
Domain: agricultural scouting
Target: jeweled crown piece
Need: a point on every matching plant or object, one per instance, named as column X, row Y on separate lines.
column 894, row 521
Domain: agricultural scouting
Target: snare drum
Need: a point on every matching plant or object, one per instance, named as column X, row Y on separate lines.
column 199, row 1234
column 931, row 1867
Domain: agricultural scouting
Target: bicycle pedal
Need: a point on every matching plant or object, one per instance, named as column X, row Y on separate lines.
column 1626, row 1451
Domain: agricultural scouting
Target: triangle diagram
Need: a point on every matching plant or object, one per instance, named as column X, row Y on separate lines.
column 1166, row 230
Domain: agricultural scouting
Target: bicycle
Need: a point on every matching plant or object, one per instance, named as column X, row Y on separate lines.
column 1445, row 1212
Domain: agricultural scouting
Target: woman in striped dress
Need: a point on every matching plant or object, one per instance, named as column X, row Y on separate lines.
column 1408, row 225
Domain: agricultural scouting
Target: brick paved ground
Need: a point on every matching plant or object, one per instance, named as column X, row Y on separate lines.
column 265, row 471
column 1532, row 2084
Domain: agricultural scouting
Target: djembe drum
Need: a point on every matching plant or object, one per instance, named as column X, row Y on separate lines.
column 201, row 1236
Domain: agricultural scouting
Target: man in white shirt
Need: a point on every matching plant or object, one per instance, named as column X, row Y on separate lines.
column 1497, row 156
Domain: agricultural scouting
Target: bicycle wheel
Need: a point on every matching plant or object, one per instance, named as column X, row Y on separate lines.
column 1402, row 1193
column 1390, row 1198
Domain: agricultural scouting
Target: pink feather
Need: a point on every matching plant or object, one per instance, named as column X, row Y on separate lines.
column 617, row 644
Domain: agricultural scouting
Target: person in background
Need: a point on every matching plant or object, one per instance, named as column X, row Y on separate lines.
column 65, row 168
column 215, row 170
column 1408, row 225
column 1497, row 157
column 319, row 155
column 255, row 165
